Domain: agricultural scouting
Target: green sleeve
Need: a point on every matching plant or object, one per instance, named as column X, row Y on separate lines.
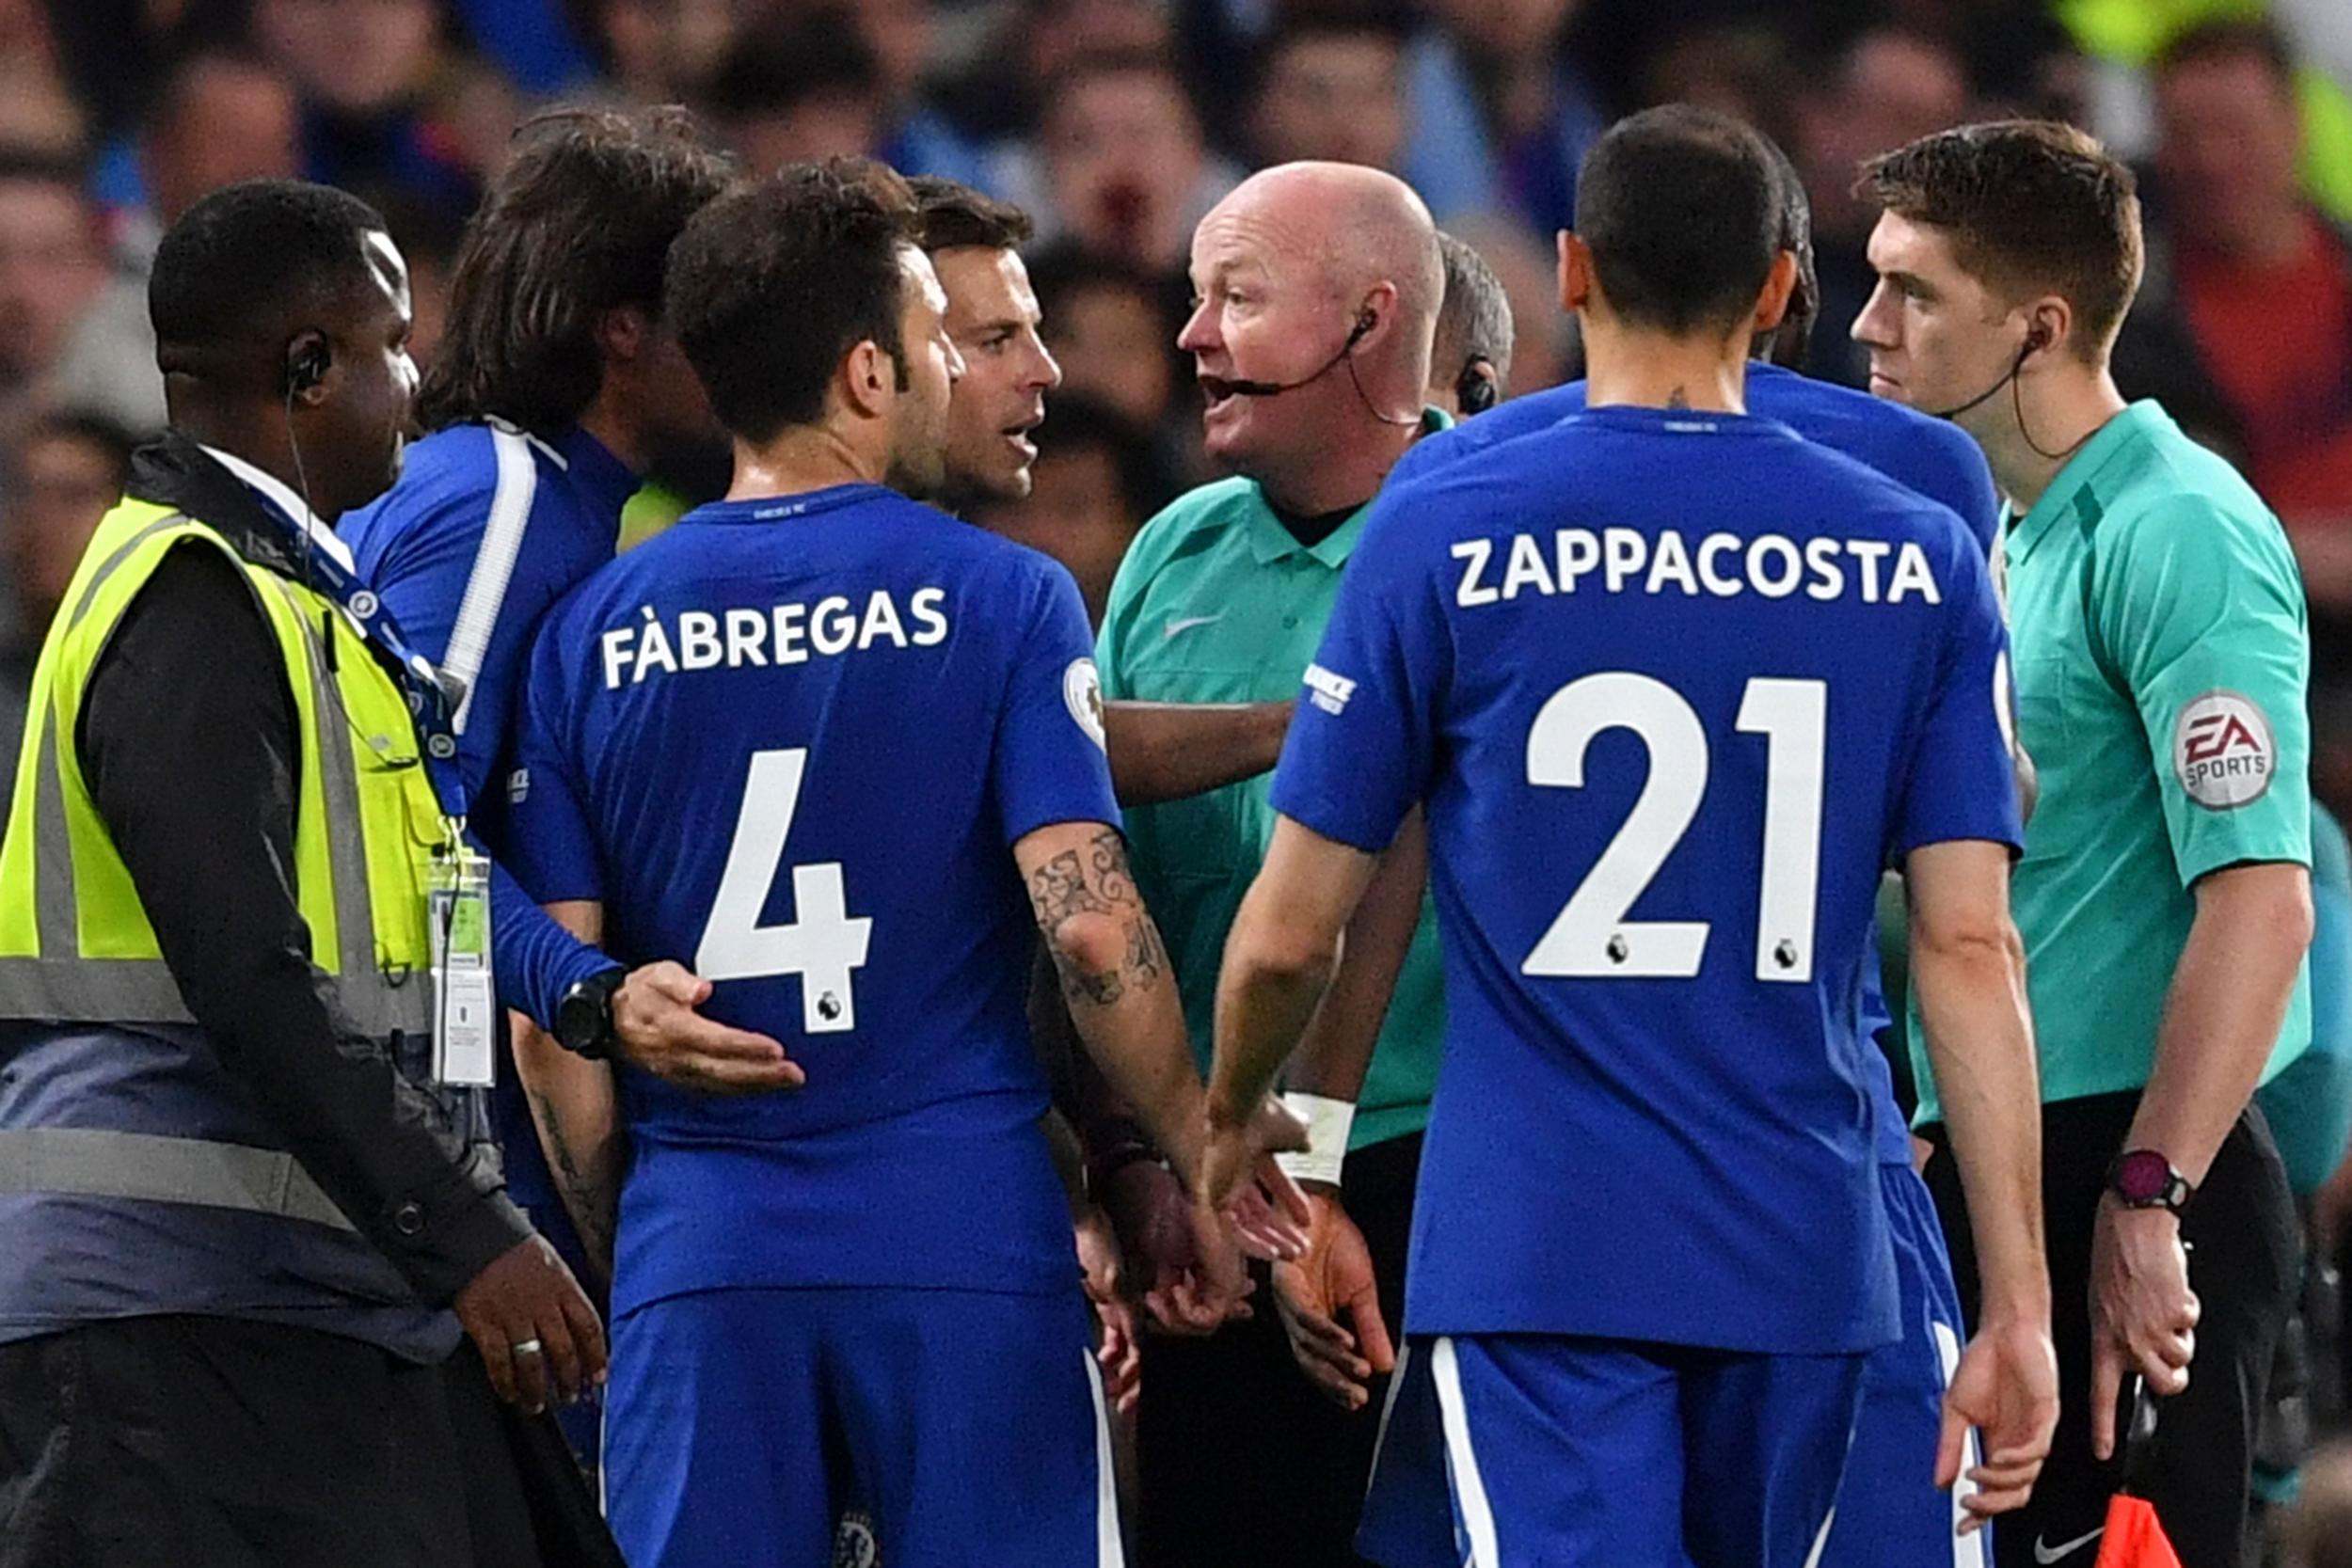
column 1128, row 590
column 2197, row 613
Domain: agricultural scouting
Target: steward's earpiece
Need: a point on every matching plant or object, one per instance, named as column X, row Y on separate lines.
column 1474, row 390
column 306, row 365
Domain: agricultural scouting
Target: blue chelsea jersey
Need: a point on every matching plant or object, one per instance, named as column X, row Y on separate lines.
column 792, row 743
column 1929, row 456
column 1674, row 686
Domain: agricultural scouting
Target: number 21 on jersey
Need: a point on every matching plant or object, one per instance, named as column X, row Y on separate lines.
column 1592, row 939
column 825, row 947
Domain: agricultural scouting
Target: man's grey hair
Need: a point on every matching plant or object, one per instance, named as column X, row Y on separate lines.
column 1474, row 318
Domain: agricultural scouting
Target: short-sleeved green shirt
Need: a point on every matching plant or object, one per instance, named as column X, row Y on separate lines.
column 1217, row 602
column 2160, row 656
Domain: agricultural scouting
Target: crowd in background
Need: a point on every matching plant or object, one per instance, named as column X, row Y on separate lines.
column 1117, row 124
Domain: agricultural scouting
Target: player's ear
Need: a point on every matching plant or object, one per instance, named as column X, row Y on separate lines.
column 1576, row 272
column 1780, row 286
column 622, row 332
column 2049, row 323
column 868, row 377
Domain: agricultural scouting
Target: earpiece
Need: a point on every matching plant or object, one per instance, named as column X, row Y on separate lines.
column 1476, row 390
column 2037, row 337
column 306, row 364
column 1365, row 321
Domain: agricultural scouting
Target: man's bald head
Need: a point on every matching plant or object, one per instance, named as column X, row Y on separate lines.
column 1318, row 287
column 1357, row 227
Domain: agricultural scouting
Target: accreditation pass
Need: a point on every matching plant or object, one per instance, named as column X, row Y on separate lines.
column 464, row 1049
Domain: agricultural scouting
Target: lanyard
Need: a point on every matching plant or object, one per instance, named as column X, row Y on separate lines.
column 428, row 698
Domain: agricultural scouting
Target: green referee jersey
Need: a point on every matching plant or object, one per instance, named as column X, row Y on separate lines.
column 2160, row 657
column 1216, row 602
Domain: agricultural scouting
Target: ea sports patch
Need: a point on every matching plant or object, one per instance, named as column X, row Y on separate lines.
column 2222, row 750
column 1082, row 690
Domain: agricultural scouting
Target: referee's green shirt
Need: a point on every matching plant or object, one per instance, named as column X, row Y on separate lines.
column 1217, row 602
column 2157, row 632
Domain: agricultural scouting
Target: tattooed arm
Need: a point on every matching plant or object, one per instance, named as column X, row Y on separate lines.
column 577, row 1109
column 1115, row 975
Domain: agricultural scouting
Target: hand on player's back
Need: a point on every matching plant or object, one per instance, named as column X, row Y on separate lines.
column 2006, row 1386
column 654, row 1014
column 1334, row 1281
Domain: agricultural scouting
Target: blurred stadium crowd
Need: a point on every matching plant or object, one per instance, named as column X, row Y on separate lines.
column 1117, row 124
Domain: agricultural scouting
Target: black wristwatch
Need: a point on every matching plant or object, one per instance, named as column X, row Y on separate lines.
column 2143, row 1178
column 584, row 1020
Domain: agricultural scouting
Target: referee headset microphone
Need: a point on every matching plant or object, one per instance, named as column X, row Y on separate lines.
column 1366, row 319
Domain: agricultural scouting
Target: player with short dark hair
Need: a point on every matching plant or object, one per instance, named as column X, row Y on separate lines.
column 820, row 738
column 1672, row 685
column 2162, row 654
column 993, row 316
column 1888, row 1508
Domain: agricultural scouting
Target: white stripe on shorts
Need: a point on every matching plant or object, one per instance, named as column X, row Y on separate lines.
column 1968, row 1551
column 1469, row 1491
column 1108, row 1552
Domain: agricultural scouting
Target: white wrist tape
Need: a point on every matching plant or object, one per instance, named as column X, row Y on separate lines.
column 1327, row 1122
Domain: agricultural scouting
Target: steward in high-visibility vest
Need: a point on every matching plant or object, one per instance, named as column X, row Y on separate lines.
column 234, row 1219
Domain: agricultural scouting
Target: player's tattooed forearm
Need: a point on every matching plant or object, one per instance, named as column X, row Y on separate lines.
column 1101, row 989
column 1147, row 954
column 592, row 1207
column 1059, row 890
column 1112, row 876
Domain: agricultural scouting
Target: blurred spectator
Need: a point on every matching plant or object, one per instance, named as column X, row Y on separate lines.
column 1113, row 330
column 916, row 138
column 2317, row 1531
column 537, row 44
column 1470, row 356
column 1330, row 86
column 37, row 111
column 51, row 266
column 657, row 51
column 1120, row 166
column 1739, row 70
column 1094, row 483
column 1035, row 41
column 1882, row 91
column 806, row 89
column 362, row 67
column 2264, row 284
column 218, row 119
column 1501, row 119
column 68, row 469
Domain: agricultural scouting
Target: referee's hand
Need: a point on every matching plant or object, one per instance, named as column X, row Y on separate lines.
column 2143, row 1315
column 535, row 1327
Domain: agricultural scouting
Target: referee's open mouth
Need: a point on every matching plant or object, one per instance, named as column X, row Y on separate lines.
column 1216, row 390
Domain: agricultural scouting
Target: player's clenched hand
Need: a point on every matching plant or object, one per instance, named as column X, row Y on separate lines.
column 654, row 1014
column 1180, row 1258
column 2006, row 1386
column 1237, row 1175
column 1121, row 1350
column 536, row 1330
column 2143, row 1315
column 1334, row 1281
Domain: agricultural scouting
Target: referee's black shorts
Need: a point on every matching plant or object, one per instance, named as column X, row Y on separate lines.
column 217, row 1443
column 1241, row 1463
column 2244, row 1259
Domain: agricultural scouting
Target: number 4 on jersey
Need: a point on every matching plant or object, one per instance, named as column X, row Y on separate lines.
column 824, row 947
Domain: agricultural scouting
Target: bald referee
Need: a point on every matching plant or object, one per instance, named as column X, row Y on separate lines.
column 2161, row 656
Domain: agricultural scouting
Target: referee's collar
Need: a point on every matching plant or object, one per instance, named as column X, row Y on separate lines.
column 1270, row 541
column 2073, row 492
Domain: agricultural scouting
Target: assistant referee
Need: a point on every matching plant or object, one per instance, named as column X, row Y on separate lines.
column 2160, row 656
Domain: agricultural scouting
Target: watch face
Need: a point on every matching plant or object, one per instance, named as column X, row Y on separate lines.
column 2143, row 1176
